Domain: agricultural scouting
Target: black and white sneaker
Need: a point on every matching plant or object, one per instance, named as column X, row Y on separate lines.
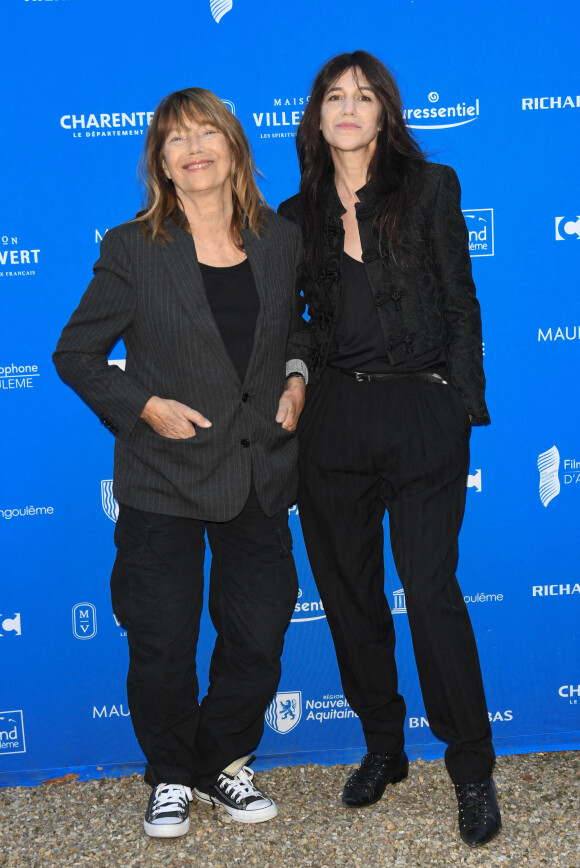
column 167, row 814
column 236, row 794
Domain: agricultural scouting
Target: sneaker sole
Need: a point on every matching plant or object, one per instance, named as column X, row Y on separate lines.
column 166, row 830
column 239, row 816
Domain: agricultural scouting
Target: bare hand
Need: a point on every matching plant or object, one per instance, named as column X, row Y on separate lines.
column 291, row 403
column 172, row 419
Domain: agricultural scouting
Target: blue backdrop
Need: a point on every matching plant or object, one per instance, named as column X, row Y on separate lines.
column 492, row 90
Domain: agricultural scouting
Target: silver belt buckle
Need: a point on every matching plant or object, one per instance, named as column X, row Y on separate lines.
column 360, row 378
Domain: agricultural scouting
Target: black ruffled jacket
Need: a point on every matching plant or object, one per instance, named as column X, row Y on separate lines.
column 425, row 300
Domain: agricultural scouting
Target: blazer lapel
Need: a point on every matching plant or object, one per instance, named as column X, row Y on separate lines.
column 180, row 259
column 256, row 252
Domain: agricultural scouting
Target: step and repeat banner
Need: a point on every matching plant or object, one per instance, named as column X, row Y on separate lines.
column 493, row 91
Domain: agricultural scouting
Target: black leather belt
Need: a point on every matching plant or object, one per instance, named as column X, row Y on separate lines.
column 363, row 377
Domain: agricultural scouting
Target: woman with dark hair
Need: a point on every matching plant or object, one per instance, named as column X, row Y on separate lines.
column 201, row 287
column 396, row 383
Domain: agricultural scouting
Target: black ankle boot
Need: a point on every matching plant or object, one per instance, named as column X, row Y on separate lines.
column 479, row 816
column 368, row 783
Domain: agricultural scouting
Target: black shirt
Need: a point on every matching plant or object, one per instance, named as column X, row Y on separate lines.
column 233, row 298
column 359, row 344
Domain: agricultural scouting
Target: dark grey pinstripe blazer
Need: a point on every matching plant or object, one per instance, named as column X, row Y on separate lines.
column 152, row 295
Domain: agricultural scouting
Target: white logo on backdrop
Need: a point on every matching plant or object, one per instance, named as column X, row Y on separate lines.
column 110, row 505
column 310, row 606
column 84, row 620
column 562, row 333
column 469, row 113
column 564, row 590
column 16, row 261
column 570, row 228
column 219, row 8
column 286, row 112
column 480, row 597
column 474, row 480
column 106, row 124
column 11, row 625
column 17, row 376
column 12, row 732
column 550, row 102
column 548, row 465
column 480, row 227
column 284, row 712
column 110, row 711
column 570, row 692
column 505, row 716
column 400, row 607
column 26, row 512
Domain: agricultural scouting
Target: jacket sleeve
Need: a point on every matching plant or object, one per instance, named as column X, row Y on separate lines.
column 105, row 312
column 299, row 337
column 450, row 246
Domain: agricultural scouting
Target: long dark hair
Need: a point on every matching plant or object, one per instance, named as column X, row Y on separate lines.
column 395, row 166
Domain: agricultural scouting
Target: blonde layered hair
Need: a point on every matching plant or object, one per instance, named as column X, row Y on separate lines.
column 202, row 107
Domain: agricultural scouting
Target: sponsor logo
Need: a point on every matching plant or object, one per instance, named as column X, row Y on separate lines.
column 570, row 692
column 121, row 627
column 18, row 376
column 561, row 333
column 105, row 125
column 494, row 717
column 480, row 227
column 474, row 480
column 110, row 711
column 400, row 606
column 284, row 712
column 282, row 118
column 10, row 626
column 12, row 732
column 26, row 511
column 15, row 260
column 483, row 598
column 548, row 465
column 84, row 621
column 555, row 590
column 441, row 117
column 332, row 706
column 110, row 505
column 307, row 610
column 567, row 229
column 533, row 103
column 219, row 8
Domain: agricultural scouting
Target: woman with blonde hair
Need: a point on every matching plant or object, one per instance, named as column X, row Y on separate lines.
column 201, row 287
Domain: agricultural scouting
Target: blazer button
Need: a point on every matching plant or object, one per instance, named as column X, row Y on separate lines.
column 245, row 442
column 245, row 397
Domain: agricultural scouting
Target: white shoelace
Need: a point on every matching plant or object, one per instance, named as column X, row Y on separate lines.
column 169, row 797
column 240, row 786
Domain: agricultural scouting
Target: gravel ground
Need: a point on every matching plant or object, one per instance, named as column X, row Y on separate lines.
column 99, row 823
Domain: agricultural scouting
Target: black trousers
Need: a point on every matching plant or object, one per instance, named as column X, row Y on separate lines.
column 157, row 593
column 402, row 444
